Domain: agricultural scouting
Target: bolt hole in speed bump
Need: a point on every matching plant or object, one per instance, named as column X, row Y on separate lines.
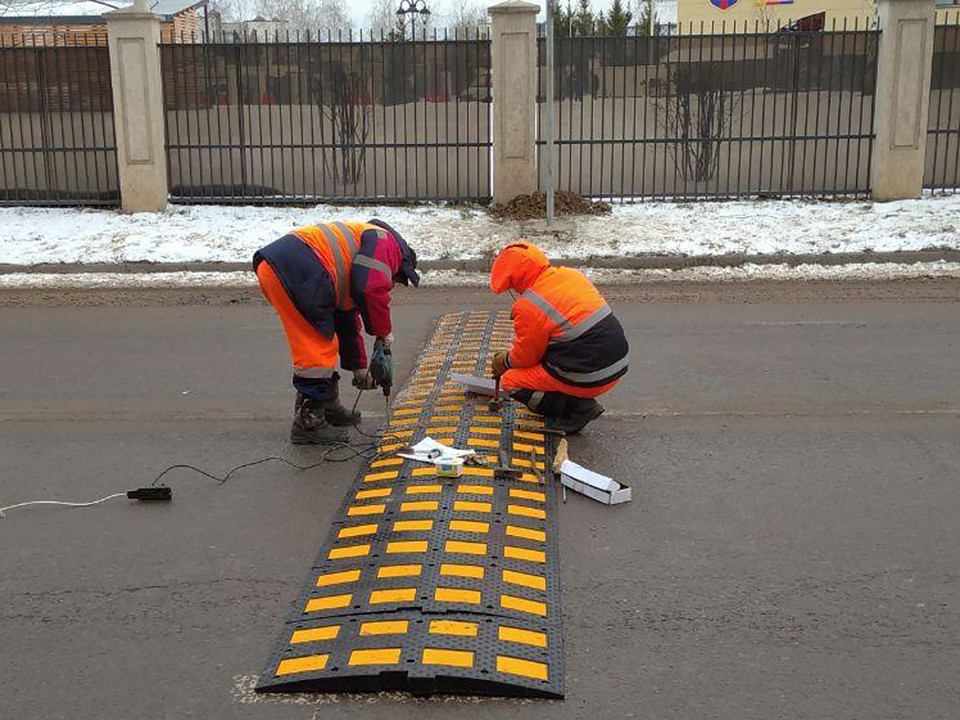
column 434, row 584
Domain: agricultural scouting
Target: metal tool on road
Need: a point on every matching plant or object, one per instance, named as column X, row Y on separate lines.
column 496, row 405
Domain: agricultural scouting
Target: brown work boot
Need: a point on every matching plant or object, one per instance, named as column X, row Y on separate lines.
column 334, row 411
column 310, row 426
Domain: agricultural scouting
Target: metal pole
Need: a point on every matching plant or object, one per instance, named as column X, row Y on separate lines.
column 550, row 134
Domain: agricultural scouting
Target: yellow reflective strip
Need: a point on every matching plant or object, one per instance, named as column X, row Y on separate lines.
column 308, row 663
column 382, row 656
column 387, row 462
column 475, row 489
column 348, row 552
column 384, row 627
column 437, row 430
column 531, row 419
column 528, row 435
column 424, row 472
column 473, row 526
column 392, row 571
column 520, row 462
column 471, row 597
column 378, row 492
column 517, row 553
column 357, row 531
column 523, row 668
column 469, row 506
column 467, row 548
column 453, row 658
column 419, row 506
column 406, row 546
column 365, row 510
column 483, row 442
column 478, row 472
column 424, row 489
column 525, row 637
column 536, row 582
column 526, row 533
column 393, row 595
column 526, row 511
column 487, row 418
column 329, row 602
column 402, row 434
column 338, row 578
column 445, row 419
column 466, row 571
column 533, row 607
column 445, row 441
column 315, row 634
column 410, row 525
column 523, row 447
column 407, row 411
column 453, row 627
column 528, row 495
column 392, row 447
column 449, row 408
column 479, row 430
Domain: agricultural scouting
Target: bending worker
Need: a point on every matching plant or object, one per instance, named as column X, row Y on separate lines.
column 322, row 280
column 568, row 346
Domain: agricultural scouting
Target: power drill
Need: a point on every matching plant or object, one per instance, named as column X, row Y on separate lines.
column 381, row 367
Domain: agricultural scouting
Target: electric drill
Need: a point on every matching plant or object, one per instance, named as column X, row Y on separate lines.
column 381, row 367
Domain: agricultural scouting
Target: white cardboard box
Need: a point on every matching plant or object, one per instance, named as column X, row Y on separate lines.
column 594, row 485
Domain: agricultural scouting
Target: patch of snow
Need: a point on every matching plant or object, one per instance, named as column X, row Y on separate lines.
column 459, row 278
column 30, row 236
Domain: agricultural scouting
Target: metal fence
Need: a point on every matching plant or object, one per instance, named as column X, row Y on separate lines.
column 336, row 119
column 714, row 114
column 57, row 143
column 942, row 166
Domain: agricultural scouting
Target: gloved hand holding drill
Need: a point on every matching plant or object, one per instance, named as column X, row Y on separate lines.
column 499, row 364
column 380, row 373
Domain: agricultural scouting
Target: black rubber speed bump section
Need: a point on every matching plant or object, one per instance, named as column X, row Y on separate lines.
column 431, row 584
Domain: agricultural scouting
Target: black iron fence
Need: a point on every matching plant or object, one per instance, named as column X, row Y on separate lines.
column 714, row 114
column 339, row 118
column 57, row 143
column 942, row 166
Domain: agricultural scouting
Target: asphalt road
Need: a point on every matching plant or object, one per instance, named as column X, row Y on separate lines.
column 793, row 549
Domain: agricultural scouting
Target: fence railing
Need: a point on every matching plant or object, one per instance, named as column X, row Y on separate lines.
column 336, row 118
column 714, row 114
column 57, row 142
column 942, row 166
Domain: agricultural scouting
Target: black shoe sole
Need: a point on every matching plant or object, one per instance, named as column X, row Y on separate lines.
column 299, row 436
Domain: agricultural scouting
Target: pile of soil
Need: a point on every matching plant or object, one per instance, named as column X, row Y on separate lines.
column 534, row 206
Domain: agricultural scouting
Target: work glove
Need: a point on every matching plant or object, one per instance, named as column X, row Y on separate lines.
column 499, row 364
column 363, row 380
column 386, row 341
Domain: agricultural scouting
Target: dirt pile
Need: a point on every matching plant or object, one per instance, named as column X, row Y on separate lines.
column 534, row 206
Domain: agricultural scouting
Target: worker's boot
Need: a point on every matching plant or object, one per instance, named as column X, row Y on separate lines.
column 310, row 426
column 334, row 411
column 578, row 413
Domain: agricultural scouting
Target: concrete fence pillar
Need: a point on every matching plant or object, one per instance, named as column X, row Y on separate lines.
column 514, row 69
column 133, row 35
column 902, row 99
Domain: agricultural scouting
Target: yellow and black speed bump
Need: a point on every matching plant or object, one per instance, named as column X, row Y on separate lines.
column 431, row 584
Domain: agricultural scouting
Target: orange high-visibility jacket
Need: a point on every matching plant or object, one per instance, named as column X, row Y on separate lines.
column 560, row 320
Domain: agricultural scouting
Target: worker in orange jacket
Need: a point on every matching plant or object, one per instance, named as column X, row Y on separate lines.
column 568, row 346
column 323, row 280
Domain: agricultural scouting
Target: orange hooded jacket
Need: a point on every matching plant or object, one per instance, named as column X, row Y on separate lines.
column 560, row 320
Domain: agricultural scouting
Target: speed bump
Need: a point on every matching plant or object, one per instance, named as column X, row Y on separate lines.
column 431, row 584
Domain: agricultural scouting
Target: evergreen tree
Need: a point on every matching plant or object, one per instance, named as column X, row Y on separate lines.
column 648, row 19
column 582, row 22
column 618, row 19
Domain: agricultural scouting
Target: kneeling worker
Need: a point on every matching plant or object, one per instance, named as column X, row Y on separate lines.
column 322, row 280
column 568, row 346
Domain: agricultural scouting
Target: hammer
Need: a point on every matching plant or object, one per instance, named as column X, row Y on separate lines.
column 496, row 404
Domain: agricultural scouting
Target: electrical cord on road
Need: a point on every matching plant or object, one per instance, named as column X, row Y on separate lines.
column 161, row 493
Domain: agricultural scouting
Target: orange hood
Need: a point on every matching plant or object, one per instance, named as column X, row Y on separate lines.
column 517, row 267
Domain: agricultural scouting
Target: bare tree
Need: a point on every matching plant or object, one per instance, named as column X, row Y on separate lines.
column 382, row 17
column 14, row 8
column 306, row 15
column 466, row 15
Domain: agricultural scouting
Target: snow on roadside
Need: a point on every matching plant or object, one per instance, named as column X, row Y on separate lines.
column 456, row 278
column 30, row 236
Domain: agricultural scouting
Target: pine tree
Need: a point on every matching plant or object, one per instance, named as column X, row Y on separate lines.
column 618, row 19
column 583, row 21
